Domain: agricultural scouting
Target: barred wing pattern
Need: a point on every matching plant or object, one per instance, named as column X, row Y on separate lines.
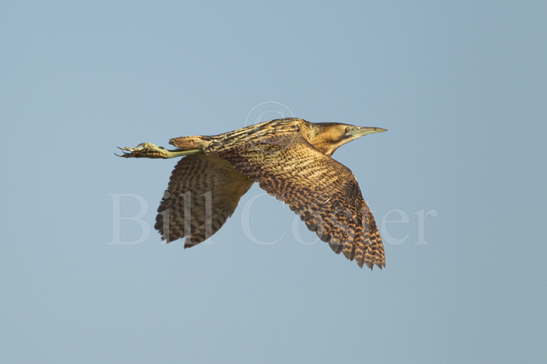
column 322, row 191
column 203, row 192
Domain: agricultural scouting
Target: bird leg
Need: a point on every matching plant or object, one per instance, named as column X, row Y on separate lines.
column 149, row 150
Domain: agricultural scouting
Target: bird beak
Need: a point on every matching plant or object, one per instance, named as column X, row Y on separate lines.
column 360, row 131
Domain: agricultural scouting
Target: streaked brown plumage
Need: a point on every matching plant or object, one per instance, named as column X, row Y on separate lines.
column 290, row 159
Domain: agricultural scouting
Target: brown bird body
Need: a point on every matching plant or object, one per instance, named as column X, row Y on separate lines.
column 291, row 160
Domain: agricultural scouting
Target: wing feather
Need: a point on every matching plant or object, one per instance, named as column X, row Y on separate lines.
column 203, row 192
column 322, row 191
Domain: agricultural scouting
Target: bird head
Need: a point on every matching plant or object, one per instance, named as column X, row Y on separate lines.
column 327, row 137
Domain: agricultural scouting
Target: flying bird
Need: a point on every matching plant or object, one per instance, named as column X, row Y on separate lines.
column 290, row 159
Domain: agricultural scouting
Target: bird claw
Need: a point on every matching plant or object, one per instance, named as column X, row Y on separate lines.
column 143, row 150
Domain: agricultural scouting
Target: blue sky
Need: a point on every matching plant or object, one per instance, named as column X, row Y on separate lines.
column 457, row 184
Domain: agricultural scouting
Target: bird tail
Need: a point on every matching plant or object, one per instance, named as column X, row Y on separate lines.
column 190, row 142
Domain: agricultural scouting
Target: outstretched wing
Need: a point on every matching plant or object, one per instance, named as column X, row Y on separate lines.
column 322, row 191
column 203, row 192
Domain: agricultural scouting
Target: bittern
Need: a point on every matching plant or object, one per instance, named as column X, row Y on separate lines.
column 290, row 159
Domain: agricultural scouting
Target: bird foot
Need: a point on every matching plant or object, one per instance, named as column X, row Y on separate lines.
column 149, row 150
